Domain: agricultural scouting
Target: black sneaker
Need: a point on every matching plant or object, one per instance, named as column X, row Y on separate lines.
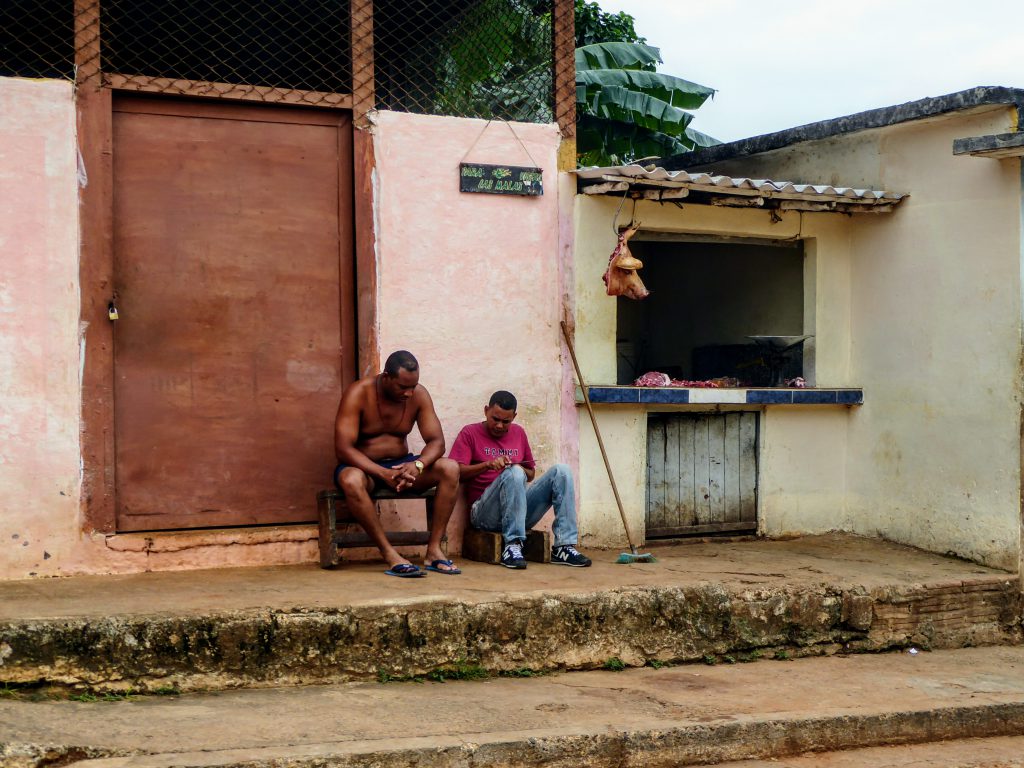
column 512, row 556
column 568, row 555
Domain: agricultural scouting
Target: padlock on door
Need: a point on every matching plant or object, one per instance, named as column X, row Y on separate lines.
column 112, row 311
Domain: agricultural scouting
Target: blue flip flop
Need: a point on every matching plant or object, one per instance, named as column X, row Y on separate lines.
column 405, row 571
column 452, row 571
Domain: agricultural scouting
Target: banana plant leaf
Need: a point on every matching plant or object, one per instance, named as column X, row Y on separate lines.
column 617, row 56
column 672, row 90
column 610, row 142
column 616, row 103
column 701, row 139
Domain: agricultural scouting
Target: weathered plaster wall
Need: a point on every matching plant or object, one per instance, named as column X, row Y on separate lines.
column 802, row 475
column 470, row 283
column 41, row 355
column 803, row 481
column 935, row 301
column 935, row 460
column 39, row 352
column 473, row 284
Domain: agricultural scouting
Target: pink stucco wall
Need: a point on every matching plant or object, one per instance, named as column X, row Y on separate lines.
column 471, row 283
column 41, row 355
column 39, row 348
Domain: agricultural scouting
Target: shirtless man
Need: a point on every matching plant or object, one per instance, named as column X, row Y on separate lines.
column 375, row 418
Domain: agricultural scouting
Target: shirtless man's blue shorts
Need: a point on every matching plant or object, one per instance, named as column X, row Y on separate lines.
column 386, row 463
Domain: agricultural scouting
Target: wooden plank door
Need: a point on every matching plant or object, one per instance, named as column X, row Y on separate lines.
column 701, row 473
column 233, row 284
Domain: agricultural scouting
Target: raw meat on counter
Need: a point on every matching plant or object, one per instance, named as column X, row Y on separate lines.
column 659, row 379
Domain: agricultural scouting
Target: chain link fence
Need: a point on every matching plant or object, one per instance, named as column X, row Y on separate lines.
column 471, row 58
column 283, row 45
column 37, row 38
column 467, row 58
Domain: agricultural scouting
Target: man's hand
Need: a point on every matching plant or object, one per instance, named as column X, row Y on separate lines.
column 391, row 477
column 401, row 476
column 499, row 463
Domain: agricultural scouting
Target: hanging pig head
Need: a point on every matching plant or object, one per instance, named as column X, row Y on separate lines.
column 621, row 278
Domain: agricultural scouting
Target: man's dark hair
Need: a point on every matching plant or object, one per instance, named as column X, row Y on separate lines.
column 399, row 360
column 504, row 400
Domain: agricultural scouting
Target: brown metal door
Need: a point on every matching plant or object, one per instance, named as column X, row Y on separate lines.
column 233, row 285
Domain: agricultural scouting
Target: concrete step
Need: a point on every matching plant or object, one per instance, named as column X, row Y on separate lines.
column 302, row 625
column 1000, row 752
column 685, row 715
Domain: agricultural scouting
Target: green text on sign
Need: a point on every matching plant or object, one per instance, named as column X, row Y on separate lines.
column 500, row 179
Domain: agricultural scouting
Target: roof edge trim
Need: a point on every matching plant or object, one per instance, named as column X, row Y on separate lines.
column 860, row 121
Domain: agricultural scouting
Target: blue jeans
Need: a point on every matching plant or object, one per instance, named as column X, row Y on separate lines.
column 509, row 507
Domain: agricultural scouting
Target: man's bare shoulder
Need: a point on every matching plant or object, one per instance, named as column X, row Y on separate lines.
column 356, row 391
column 353, row 401
column 421, row 398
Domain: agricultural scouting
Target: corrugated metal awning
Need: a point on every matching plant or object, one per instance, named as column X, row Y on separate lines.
column 653, row 183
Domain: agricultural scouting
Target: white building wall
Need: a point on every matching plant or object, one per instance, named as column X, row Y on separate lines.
column 933, row 456
column 802, row 474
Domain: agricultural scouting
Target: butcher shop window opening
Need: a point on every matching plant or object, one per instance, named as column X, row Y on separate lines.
column 726, row 312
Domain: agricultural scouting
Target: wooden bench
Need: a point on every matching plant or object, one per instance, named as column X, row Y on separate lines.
column 486, row 546
column 333, row 512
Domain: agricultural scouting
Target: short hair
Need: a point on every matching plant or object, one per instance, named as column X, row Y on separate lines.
column 398, row 360
column 504, row 400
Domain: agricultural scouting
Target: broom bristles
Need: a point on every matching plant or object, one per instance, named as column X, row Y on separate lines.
column 626, row 557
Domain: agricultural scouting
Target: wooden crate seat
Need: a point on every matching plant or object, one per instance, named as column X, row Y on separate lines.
column 332, row 511
column 486, row 546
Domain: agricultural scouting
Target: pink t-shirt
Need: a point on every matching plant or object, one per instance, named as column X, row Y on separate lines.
column 475, row 445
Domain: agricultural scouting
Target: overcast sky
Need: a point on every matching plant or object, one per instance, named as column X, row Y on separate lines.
column 782, row 64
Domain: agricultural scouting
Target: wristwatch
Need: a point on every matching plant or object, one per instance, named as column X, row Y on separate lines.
column 419, row 466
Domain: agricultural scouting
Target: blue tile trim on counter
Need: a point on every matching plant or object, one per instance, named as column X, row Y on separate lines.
column 681, row 396
column 614, row 394
column 673, row 396
column 770, row 396
column 850, row 396
column 814, row 396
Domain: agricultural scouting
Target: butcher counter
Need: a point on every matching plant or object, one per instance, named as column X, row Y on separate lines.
column 611, row 395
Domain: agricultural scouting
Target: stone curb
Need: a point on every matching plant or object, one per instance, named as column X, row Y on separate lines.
column 693, row 745
column 538, row 632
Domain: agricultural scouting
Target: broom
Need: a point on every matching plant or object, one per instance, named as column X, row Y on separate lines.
column 626, row 557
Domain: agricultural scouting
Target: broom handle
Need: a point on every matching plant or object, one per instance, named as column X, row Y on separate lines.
column 597, row 431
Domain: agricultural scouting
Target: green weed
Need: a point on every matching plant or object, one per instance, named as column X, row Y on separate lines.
column 461, row 670
column 387, row 677
column 126, row 696
column 710, row 660
column 615, row 664
column 522, row 672
column 89, row 697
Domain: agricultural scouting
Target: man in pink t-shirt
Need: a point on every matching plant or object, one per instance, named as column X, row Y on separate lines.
column 496, row 464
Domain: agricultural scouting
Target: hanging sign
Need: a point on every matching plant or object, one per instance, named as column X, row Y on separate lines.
column 500, row 179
